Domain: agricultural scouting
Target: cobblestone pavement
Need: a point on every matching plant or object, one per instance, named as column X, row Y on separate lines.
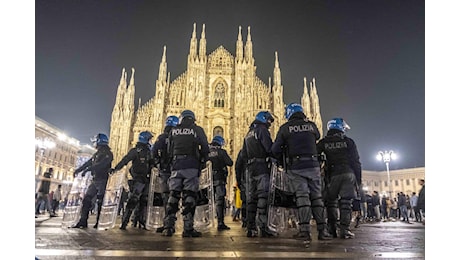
column 379, row 240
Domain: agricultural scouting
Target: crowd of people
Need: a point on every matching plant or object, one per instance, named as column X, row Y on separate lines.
column 324, row 176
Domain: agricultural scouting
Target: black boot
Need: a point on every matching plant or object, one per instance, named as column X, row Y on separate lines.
column 126, row 217
column 222, row 226
column 81, row 224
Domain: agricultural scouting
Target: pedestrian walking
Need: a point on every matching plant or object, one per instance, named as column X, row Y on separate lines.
column 240, row 174
column 188, row 150
column 141, row 158
column 57, row 197
column 99, row 165
column 295, row 146
column 421, row 200
column 220, row 161
column 43, row 194
column 343, row 174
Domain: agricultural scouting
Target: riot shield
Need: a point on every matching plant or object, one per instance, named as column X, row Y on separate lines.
column 72, row 209
column 155, row 206
column 111, row 202
column 282, row 209
column 205, row 209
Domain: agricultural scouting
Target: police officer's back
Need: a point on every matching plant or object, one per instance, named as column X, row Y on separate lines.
column 343, row 174
column 220, row 161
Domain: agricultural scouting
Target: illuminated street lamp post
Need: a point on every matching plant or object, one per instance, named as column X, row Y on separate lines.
column 43, row 144
column 386, row 157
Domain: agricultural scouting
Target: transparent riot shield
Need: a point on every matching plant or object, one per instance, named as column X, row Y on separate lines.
column 111, row 202
column 282, row 209
column 72, row 209
column 155, row 206
column 205, row 209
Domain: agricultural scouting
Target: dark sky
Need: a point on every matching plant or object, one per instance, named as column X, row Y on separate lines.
column 368, row 58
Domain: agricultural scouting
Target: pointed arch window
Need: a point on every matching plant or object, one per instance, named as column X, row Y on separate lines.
column 218, row 130
column 219, row 95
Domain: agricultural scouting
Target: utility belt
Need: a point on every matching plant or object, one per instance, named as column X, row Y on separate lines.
column 182, row 156
column 259, row 160
column 299, row 158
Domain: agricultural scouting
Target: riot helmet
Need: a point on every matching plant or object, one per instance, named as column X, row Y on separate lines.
column 172, row 121
column 293, row 108
column 218, row 140
column 100, row 139
column 144, row 137
column 338, row 123
column 265, row 117
column 185, row 114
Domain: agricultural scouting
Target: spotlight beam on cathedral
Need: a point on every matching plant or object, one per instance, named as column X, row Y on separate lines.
column 222, row 89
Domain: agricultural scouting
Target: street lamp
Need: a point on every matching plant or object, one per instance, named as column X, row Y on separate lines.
column 386, row 157
column 43, row 143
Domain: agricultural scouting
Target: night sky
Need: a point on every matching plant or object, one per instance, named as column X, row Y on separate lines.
column 368, row 58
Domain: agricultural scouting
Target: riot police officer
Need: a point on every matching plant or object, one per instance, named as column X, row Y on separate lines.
column 343, row 175
column 220, row 161
column 142, row 163
column 161, row 157
column 188, row 150
column 256, row 147
column 296, row 139
column 99, row 166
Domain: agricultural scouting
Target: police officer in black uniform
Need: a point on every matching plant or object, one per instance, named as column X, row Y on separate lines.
column 188, row 150
column 220, row 161
column 160, row 153
column 99, row 165
column 142, row 162
column 256, row 148
column 343, row 175
column 296, row 139
column 240, row 174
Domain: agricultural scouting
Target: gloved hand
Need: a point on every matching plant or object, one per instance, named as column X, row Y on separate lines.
column 111, row 171
column 75, row 173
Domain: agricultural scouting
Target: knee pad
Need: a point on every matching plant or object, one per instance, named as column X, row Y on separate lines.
column 175, row 194
column 345, row 204
column 303, row 201
column 132, row 202
column 317, row 202
column 188, row 201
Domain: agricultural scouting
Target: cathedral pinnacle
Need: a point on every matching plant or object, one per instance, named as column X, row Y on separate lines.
column 131, row 82
column 163, row 59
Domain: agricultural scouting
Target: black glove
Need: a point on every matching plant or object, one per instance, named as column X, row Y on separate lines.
column 75, row 173
column 111, row 171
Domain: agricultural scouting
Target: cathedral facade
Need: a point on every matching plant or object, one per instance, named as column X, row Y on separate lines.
column 222, row 89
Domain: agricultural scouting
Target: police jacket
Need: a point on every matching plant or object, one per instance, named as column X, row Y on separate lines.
column 257, row 142
column 296, row 139
column 341, row 154
column 160, row 151
column 240, row 166
column 142, row 162
column 188, row 146
column 99, row 164
column 220, row 160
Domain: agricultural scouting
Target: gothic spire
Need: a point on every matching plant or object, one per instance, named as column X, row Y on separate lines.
column 276, row 72
column 203, row 43
column 193, row 43
column 163, row 66
column 239, row 46
column 248, row 47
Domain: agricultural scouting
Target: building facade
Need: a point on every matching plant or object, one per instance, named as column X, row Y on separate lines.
column 54, row 149
column 222, row 89
column 402, row 180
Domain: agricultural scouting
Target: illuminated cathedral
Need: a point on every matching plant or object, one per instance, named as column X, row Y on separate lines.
column 222, row 89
